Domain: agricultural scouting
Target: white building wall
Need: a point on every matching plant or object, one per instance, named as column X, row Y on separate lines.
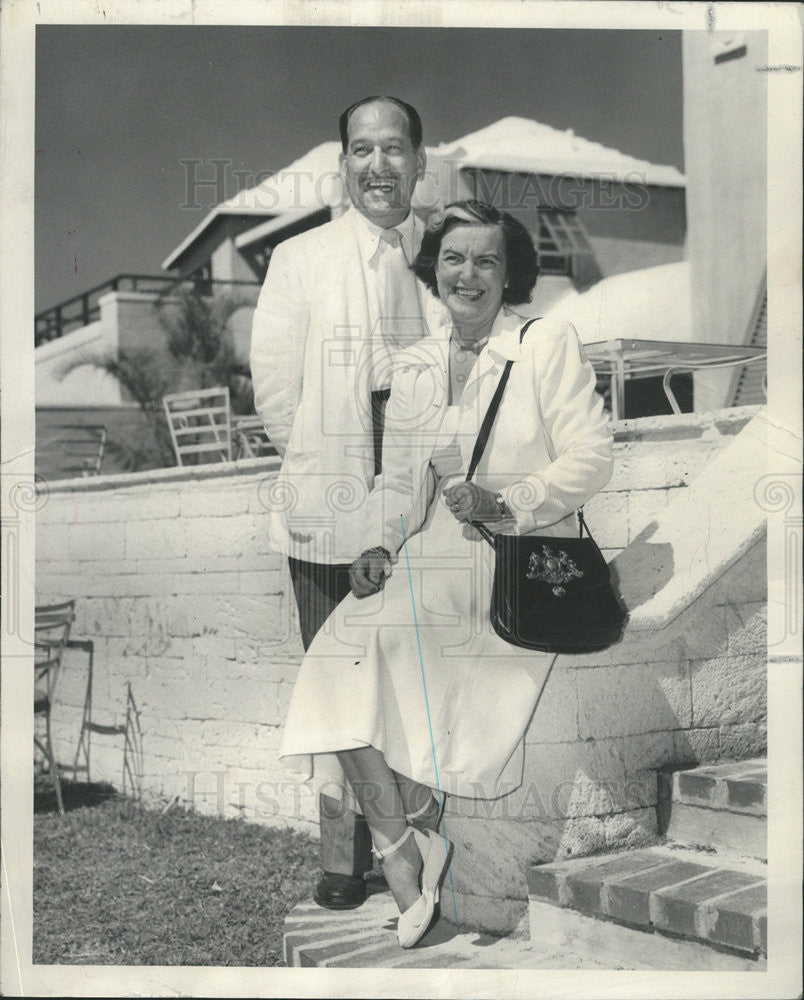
column 725, row 156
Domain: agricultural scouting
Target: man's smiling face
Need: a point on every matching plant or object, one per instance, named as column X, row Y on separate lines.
column 380, row 166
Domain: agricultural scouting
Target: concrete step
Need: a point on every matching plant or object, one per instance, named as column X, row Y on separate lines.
column 665, row 890
column 722, row 806
column 366, row 938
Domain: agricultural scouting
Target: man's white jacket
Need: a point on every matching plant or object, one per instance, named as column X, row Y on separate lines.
column 314, row 361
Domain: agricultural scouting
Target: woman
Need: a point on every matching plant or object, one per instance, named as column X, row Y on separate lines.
column 407, row 681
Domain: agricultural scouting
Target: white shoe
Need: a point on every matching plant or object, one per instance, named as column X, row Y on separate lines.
column 436, row 853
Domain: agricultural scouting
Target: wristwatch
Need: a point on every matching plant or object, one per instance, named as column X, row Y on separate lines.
column 378, row 550
column 502, row 510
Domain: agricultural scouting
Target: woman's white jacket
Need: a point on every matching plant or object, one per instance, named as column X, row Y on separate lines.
column 550, row 447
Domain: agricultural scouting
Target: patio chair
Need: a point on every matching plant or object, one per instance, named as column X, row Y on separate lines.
column 73, row 450
column 87, row 725
column 51, row 634
column 200, row 425
column 250, row 438
column 129, row 729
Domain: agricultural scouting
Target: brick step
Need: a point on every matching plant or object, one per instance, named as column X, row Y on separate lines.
column 667, row 890
column 738, row 786
column 723, row 806
column 366, row 938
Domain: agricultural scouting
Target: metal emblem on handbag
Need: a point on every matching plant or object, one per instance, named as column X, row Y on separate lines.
column 552, row 567
column 549, row 594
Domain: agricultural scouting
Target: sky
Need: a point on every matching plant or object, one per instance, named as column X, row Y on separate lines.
column 119, row 108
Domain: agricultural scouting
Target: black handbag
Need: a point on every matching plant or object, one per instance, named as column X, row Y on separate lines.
column 550, row 594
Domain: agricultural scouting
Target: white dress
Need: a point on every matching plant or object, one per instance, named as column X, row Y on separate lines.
column 362, row 681
column 435, row 689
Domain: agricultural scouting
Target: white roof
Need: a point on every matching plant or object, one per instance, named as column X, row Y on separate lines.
column 653, row 303
column 526, row 146
column 512, row 144
column 303, row 187
column 311, row 182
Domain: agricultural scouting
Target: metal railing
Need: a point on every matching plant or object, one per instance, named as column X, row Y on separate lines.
column 83, row 309
column 692, row 367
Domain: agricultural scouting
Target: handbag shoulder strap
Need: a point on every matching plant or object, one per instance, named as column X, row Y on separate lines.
column 491, row 412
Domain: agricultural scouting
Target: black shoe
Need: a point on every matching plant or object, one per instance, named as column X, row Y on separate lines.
column 340, row 892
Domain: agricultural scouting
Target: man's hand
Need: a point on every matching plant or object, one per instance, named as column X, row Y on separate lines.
column 470, row 502
column 368, row 572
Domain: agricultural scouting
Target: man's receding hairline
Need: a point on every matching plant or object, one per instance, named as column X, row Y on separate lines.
column 382, row 100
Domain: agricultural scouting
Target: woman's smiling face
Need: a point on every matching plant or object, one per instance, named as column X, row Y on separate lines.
column 470, row 274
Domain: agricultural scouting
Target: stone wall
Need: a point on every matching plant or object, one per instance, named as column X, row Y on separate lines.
column 186, row 604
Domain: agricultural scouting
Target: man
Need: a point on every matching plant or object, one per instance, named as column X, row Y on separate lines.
column 336, row 302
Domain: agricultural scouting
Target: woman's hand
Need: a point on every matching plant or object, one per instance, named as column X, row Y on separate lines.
column 470, row 502
column 368, row 573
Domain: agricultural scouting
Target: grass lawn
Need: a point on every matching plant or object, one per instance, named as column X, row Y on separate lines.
column 116, row 884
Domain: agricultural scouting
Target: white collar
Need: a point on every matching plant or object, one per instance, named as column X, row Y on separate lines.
column 503, row 343
column 504, row 340
column 504, row 337
column 368, row 234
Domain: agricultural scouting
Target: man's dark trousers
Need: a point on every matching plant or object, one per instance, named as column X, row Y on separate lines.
column 345, row 837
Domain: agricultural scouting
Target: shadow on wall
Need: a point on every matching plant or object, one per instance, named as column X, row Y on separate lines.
column 643, row 569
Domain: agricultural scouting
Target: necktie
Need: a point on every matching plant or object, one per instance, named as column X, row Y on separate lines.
column 400, row 316
column 399, row 323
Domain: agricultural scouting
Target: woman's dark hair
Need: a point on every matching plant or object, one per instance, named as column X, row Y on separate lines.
column 522, row 262
column 415, row 131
